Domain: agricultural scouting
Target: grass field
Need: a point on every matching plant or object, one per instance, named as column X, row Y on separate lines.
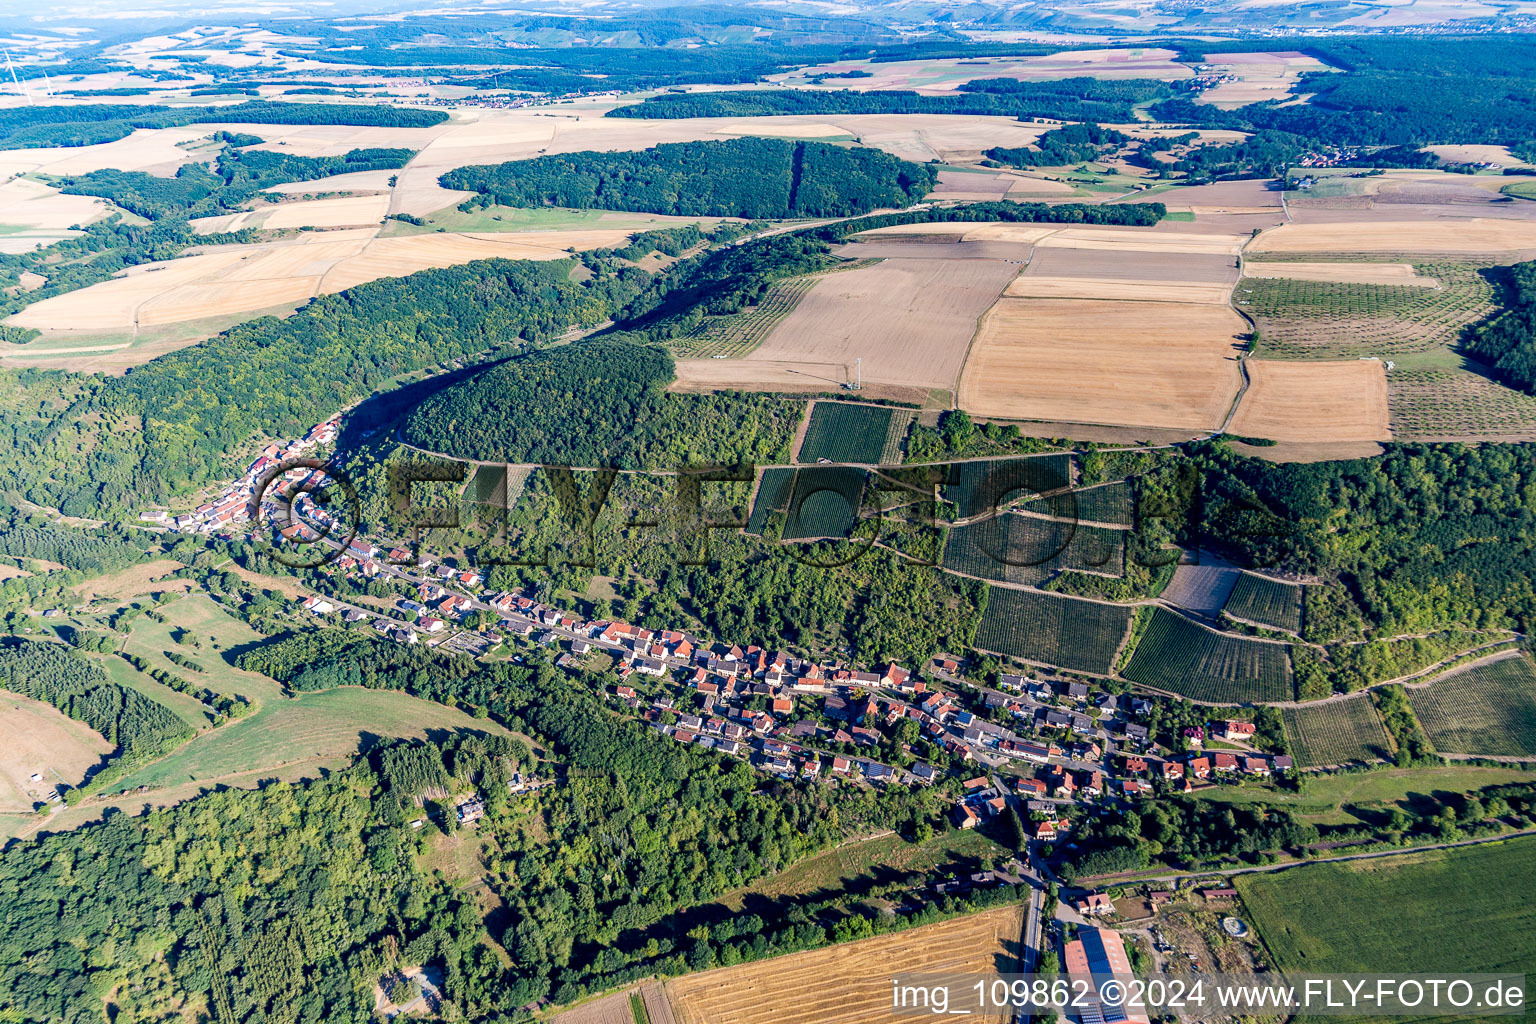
column 841, row 432
column 1332, row 319
column 1487, row 709
column 329, row 723
column 1326, row 799
column 1176, row 655
column 833, row 870
column 1062, row 631
column 1336, row 733
column 796, row 989
column 1266, row 601
column 1469, row 910
column 40, row 740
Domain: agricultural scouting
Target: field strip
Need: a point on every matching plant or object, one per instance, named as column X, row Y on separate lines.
column 1293, row 400
column 1347, row 273
column 1476, row 236
column 1027, row 286
column 793, row 989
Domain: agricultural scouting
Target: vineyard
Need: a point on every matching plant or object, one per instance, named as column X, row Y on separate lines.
column 817, row 501
column 980, row 487
column 1061, row 631
column 1266, row 601
column 1112, row 503
column 772, row 496
column 1011, row 548
column 1177, row 655
column 1489, row 709
column 1336, row 733
column 1430, row 405
column 736, row 334
column 840, row 432
column 1299, row 319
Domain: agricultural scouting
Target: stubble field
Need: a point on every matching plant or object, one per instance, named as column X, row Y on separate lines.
column 1344, row 400
column 794, row 989
column 1116, row 362
column 39, row 739
column 910, row 320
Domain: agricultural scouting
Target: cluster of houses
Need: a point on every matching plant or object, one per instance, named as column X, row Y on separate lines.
column 232, row 505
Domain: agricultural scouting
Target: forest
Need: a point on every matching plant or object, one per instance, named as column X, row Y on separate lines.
column 35, row 127
column 1067, row 99
column 599, row 402
column 757, row 178
column 79, row 688
column 1422, row 538
column 1072, row 144
column 239, row 175
column 1508, row 341
column 276, row 378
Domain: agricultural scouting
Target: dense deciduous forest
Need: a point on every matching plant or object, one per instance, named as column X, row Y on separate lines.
column 1072, row 144
column 276, row 378
column 749, row 177
column 600, row 403
column 1508, row 341
column 33, row 127
column 238, row 175
column 1424, row 538
column 1068, row 99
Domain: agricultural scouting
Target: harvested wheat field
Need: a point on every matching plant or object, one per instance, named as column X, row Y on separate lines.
column 1134, row 364
column 1142, row 240
column 347, row 211
column 40, row 740
column 1345, row 273
column 396, row 257
column 31, row 204
column 794, row 990
column 1474, row 235
column 1292, row 400
column 246, row 278
column 1033, row 286
column 910, row 320
column 148, row 149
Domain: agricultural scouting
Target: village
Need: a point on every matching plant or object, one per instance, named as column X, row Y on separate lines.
column 1041, row 748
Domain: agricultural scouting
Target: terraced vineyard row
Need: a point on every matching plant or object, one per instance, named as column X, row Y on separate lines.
column 981, row 486
column 1440, row 404
column 1060, row 631
column 1336, row 733
column 1106, row 503
column 816, row 501
column 844, row 432
column 1489, row 709
column 1300, row 319
column 1266, row 601
column 1177, row 655
column 737, row 334
column 1011, row 548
